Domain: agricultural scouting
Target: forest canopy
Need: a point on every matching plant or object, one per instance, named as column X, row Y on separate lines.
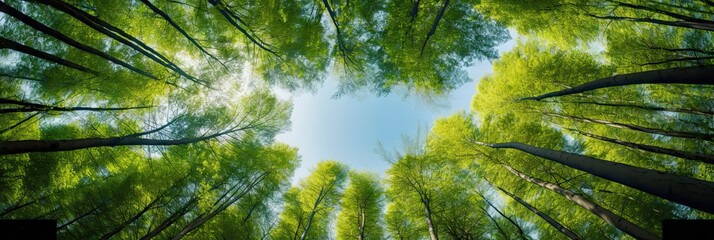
column 158, row 118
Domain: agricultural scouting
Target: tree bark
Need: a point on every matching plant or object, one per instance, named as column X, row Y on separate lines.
column 175, row 216
column 607, row 215
column 688, row 75
column 520, row 230
column 233, row 197
column 544, row 216
column 691, row 135
column 432, row 31
column 225, row 12
column 9, row 44
column 707, row 113
column 121, row 226
column 119, row 35
column 709, row 25
column 54, row 33
column 705, row 158
column 361, row 225
column 179, row 29
column 692, row 192
column 34, row 107
column 432, row 229
column 26, row 146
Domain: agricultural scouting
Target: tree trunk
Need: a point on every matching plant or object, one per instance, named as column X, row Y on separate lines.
column 498, row 226
column 687, row 75
column 179, row 29
column 692, row 192
column 34, row 107
column 432, row 229
column 49, row 31
column 27, row 146
column 609, row 217
column 229, row 16
column 691, row 135
column 175, row 216
column 307, row 225
column 544, row 216
column 119, row 35
column 235, row 196
column 432, row 31
column 121, row 226
column 520, row 230
column 705, row 158
column 9, row 44
column 361, row 225
column 707, row 113
column 70, row 222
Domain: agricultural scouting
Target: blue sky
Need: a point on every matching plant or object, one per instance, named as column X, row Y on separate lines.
column 347, row 129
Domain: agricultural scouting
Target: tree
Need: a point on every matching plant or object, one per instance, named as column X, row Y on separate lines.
column 361, row 208
column 308, row 207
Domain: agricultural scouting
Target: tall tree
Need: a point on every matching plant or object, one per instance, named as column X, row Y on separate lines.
column 361, row 208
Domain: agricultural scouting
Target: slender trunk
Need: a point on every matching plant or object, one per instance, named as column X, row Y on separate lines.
column 544, row 216
column 16, row 207
column 692, row 192
column 340, row 42
column 307, row 225
column 9, row 44
column 498, row 226
column 19, row 123
column 34, row 107
column 237, row 195
column 707, row 113
column 691, row 135
column 432, row 31
column 119, row 35
column 121, row 226
column 228, row 16
column 432, row 228
column 179, row 29
column 63, row 226
column 361, row 225
column 520, row 230
column 709, row 24
column 687, row 75
column 415, row 11
column 607, row 215
column 56, row 34
column 705, row 158
column 26, row 146
column 175, row 216
column 682, row 59
column 677, row 23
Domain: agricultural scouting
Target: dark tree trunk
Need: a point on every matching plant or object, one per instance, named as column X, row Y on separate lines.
column 520, row 230
column 705, row 158
column 429, row 221
column 544, row 216
column 432, row 31
column 26, row 146
column 9, row 44
column 607, row 215
column 119, row 35
column 691, row 135
column 179, row 29
column 707, row 113
column 692, row 192
column 49, row 31
column 228, row 15
column 688, row 75
column 34, row 107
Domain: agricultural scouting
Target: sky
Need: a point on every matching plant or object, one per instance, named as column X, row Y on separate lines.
column 347, row 129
